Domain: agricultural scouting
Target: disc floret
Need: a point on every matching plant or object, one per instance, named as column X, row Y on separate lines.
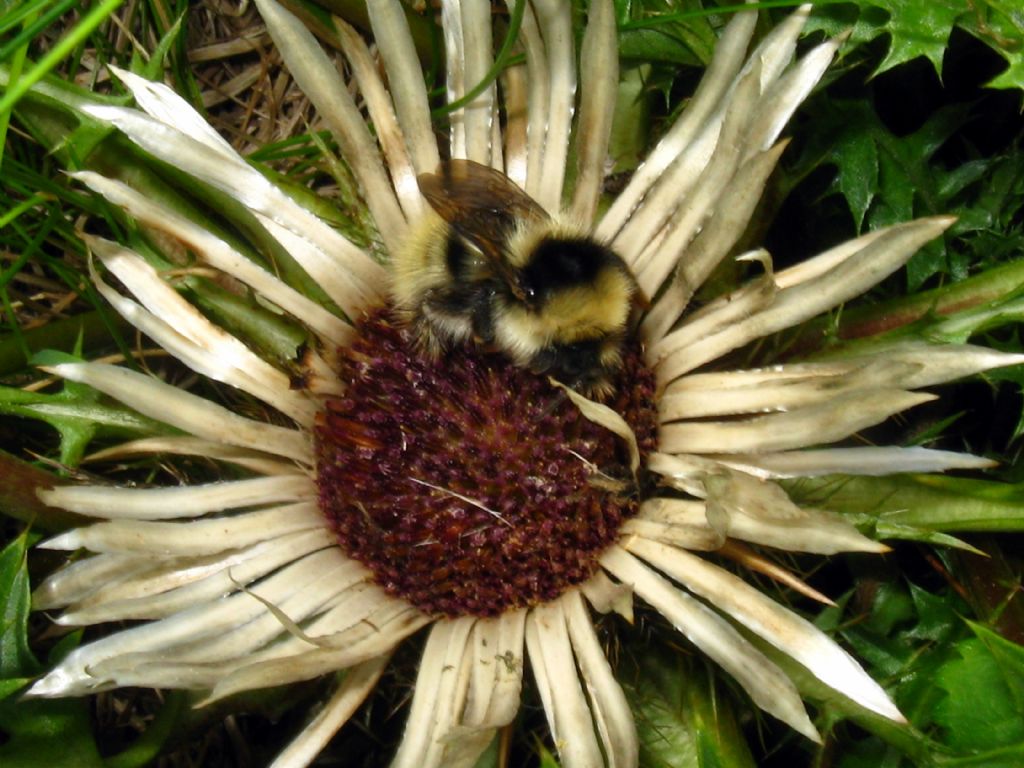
column 467, row 485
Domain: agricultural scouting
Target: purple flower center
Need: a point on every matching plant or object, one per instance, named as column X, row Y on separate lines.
column 469, row 486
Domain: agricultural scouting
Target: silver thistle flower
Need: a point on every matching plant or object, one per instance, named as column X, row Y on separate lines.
column 242, row 584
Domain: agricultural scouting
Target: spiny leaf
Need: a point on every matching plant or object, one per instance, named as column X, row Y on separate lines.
column 919, row 28
column 982, row 710
column 1000, row 25
column 681, row 719
column 885, row 179
column 931, row 502
column 77, row 413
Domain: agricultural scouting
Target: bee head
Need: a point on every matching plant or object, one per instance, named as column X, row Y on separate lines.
column 588, row 365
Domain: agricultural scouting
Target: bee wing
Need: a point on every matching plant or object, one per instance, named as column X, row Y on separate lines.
column 482, row 205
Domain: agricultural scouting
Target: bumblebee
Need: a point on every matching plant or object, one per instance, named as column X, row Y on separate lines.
column 489, row 266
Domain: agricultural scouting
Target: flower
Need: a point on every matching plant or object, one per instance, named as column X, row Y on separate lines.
column 281, row 576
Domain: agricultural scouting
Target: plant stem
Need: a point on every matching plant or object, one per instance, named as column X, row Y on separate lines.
column 18, row 496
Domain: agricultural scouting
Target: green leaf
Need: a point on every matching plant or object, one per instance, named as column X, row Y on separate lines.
column 918, row 642
column 656, row 45
column 491, row 757
column 37, row 732
column 78, row 414
column 931, row 502
column 919, row 28
column 891, row 608
column 836, row 707
column 983, row 709
column 937, row 616
column 858, row 174
column 547, row 760
column 997, row 24
column 10, row 685
column 949, row 314
column 631, row 124
column 886, row 179
column 16, row 660
column 886, row 530
column 902, row 637
column 661, row 32
column 862, row 23
column 682, row 718
column 1011, row 77
column 1009, row 657
column 43, row 732
column 905, row 635
column 922, row 28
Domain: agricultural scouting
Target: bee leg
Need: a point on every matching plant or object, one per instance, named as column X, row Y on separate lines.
column 424, row 340
column 446, row 320
column 429, row 343
column 482, row 318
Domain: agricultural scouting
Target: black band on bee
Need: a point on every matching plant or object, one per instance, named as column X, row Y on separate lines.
column 458, row 258
column 558, row 263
